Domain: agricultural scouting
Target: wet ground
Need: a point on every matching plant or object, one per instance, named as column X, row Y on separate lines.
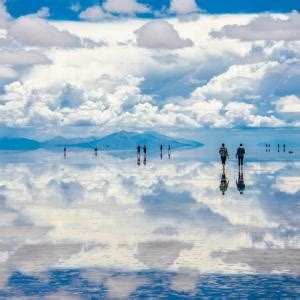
column 104, row 227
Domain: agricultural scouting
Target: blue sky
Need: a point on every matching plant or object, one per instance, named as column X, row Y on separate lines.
column 60, row 8
column 173, row 64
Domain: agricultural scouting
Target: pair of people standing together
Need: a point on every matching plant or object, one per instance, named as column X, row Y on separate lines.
column 240, row 153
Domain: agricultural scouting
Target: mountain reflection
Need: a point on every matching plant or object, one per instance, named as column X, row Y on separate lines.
column 113, row 216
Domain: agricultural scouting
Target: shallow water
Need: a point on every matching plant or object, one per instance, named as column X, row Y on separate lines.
column 104, row 227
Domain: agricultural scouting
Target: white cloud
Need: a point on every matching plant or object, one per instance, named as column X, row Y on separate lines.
column 266, row 27
column 22, row 57
column 288, row 104
column 4, row 16
column 33, row 31
column 75, row 7
column 183, row 6
column 160, row 34
column 7, row 72
column 94, row 13
column 129, row 7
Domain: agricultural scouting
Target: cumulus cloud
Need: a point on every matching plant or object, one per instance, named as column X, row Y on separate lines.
column 264, row 27
column 4, row 16
column 183, row 6
column 33, row 31
column 7, row 72
column 129, row 7
column 160, row 34
column 288, row 104
column 75, row 7
column 94, row 13
column 22, row 57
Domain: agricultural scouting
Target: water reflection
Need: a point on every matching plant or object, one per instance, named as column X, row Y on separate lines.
column 114, row 229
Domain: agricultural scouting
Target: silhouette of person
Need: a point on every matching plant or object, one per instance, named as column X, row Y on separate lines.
column 283, row 147
column 240, row 183
column 138, row 161
column 169, row 151
column 240, row 153
column 145, row 161
column 161, row 156
column 224, row 183
column 65, row 151
column 138, row 151
column 224, row 155
column 278, row 146
column 96, row 151
column 161, row 151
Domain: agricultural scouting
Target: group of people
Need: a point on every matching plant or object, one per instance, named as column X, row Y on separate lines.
column 240, row 153
column 138, row 152
column 240, row 183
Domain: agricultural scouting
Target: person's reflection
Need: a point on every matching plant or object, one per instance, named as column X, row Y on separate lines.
column 224, row 183
column 240, row 183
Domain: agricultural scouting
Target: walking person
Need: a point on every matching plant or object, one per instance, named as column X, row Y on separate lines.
column 240, row 153
column 224, row 155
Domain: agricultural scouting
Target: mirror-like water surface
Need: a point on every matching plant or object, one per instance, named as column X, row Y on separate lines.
column 92, row 227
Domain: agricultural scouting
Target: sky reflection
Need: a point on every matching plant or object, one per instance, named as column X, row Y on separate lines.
column 168, row 217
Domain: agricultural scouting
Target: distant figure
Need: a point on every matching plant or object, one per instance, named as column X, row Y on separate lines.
column 139, row 161
column 283, row 147
column 161, row 156
column 96, row 151
column 240, row 153
column 278, row 146
column 65, row 151
column 161, row 148
column 138, row 151
column 161, row 151
column 145, row 150
column 145, row 161
column 224, row 183
column 240, row 184
column 169, row 151
column 224, row 155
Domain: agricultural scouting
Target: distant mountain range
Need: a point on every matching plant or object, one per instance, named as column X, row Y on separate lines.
column 121, row 140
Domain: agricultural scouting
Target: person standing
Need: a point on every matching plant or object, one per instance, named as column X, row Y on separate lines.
column 240, row 153
column 224, row 155
column 138, row 151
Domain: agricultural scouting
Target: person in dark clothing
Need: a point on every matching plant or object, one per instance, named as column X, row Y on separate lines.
column 240, row 153
column 240, row 183
column 224, row 155
column 138, row 151
column 145, row 150
column 224, row 183
column 161, row 152
column 169, row 151
column 65, row 151
column 96, row 151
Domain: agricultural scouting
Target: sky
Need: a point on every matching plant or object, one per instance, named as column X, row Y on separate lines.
column 128, row 64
